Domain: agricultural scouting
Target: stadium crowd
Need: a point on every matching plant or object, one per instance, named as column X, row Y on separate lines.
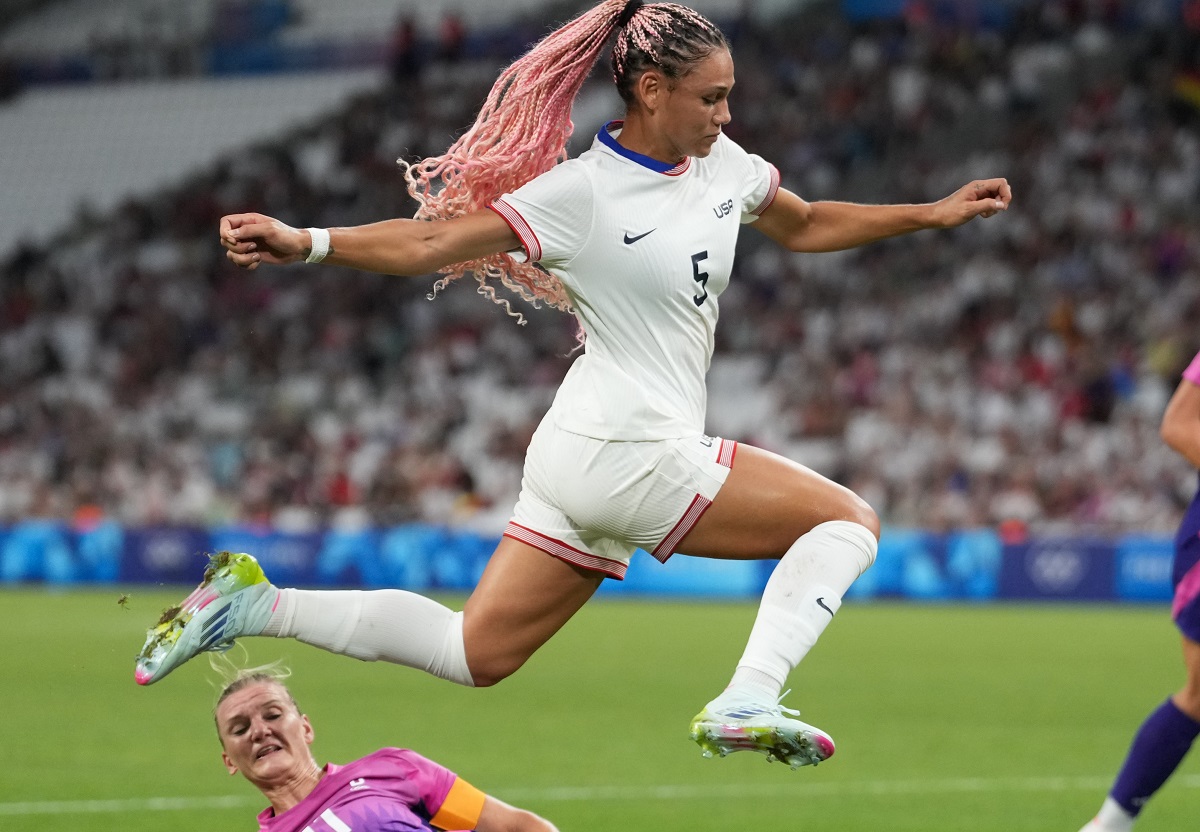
column 1008, row 374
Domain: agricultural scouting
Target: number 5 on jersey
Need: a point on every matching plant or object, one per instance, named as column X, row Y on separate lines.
column 700, row 277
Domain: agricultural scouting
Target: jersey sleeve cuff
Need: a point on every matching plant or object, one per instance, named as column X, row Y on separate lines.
column 528, row 239
column 461, row 808
column 772, row 191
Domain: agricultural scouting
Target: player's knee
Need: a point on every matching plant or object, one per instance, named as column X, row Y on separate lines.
column 856, row 534
column 1188, row 701
column 844, row 506
column 858, row 511
column 1188, row 697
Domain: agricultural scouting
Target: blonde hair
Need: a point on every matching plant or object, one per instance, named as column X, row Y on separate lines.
column 234, row 678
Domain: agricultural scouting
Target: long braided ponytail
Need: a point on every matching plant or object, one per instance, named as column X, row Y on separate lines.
column 523, row 127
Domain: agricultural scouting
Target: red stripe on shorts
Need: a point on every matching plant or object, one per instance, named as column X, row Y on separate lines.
column 725, row 454
column 560, row 550
column 690, row 517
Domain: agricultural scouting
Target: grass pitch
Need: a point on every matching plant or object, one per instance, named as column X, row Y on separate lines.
column 946, row 718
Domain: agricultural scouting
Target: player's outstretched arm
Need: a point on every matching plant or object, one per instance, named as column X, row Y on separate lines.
column 404, row 247
column 1181, row 422
column 498, row 816
column 833, row 226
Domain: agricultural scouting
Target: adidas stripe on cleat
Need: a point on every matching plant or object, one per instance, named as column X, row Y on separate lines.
column 234, row 599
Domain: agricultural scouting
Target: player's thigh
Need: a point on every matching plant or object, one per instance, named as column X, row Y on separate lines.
column 766, row 503
column 523, row 598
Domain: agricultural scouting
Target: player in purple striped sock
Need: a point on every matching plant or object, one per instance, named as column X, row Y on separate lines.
column 1165, row 737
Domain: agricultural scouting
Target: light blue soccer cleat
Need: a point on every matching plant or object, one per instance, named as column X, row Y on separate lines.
column 234, row 599
column 769, row 729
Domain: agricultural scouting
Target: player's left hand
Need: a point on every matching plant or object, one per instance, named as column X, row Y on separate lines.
column 981, row 198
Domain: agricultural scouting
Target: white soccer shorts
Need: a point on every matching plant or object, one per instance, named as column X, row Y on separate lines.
column 592, row 502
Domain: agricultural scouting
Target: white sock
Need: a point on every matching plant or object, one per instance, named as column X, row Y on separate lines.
column 800, row 599
column 386, row 624
column 1112, row 817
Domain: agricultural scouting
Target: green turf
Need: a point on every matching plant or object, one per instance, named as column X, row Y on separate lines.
column 955, row 718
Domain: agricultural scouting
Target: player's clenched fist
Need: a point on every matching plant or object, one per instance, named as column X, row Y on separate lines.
column 251, row 239
column 981, row 198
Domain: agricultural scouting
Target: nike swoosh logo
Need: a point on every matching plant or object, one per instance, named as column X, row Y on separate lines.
column 821, row 604
column 631, row 240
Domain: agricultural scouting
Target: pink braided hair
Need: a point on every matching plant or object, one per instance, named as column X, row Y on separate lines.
column 522, row 129
column 669, row 36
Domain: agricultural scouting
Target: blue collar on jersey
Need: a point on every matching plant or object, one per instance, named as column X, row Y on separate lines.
column 606, row 138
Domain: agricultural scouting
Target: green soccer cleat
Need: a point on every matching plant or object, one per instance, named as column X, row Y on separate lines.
column 234, row 599
column 768, row 729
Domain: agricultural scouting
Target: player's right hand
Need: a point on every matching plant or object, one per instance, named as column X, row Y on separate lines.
column 253, row 239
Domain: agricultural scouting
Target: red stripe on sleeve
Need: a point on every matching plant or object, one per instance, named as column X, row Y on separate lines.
column 524, row 232
column 771, row 192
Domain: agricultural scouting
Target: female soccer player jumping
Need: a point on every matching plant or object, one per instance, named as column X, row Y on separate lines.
column 636, row 238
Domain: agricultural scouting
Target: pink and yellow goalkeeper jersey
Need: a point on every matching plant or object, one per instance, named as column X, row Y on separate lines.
column 391, row 790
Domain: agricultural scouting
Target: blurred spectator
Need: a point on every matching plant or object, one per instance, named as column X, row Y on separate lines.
column 452, row 38
column 404, row 59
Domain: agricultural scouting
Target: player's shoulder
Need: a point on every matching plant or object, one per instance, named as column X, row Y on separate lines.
column 726, row 149
column 571, row 179
column 388, row 762
column 385, row 758
column 402, row 757
column 729, row 162
column 575, row 170
column 389, row 752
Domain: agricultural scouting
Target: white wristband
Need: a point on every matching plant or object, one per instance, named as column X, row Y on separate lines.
column 320, row 245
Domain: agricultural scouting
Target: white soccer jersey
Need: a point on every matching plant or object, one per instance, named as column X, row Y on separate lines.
column 644, row 249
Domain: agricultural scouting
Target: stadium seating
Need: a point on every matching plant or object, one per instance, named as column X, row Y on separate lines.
column 67, row 147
